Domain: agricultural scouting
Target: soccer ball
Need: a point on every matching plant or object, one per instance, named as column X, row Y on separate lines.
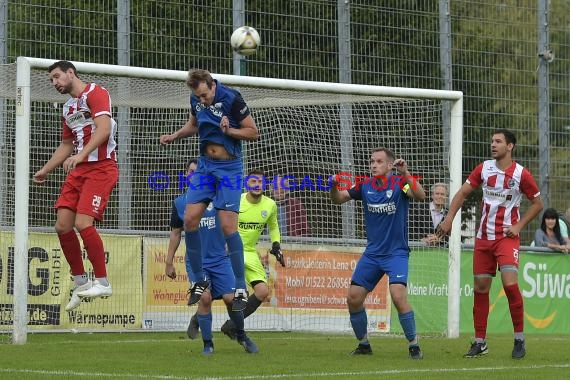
column 245, row 40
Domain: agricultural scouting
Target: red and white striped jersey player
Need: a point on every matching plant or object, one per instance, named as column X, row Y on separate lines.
column 87, row 153
column 504, row 182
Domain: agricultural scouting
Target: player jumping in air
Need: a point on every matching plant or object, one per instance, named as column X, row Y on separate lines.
column 221, row 119
column 217, row 270
column 87, row 152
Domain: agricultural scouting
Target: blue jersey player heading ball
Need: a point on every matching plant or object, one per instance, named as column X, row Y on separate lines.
column 221, row 119
column 385, row 199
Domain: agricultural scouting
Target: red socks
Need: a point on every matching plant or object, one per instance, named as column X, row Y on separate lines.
column 481, row 310
column 480, row 314
column 72, row 252
column 516, row 306
column 94, row 246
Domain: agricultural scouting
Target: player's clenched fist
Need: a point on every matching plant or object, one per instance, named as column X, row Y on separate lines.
column 40, row 177
column 335, row 178
column 170, row 271
column 167, row 139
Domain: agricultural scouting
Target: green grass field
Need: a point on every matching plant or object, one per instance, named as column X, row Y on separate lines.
column 281, row 356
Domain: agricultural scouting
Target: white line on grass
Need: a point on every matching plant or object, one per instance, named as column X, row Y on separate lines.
column 86, row 374
column 281, row 376
column 183, row 339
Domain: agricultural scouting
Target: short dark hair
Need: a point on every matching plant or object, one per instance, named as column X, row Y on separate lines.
column 197, row 76
column 388, row 152
column 63, row 66
column 190, row 162
column 256, row 172
column 509, row 136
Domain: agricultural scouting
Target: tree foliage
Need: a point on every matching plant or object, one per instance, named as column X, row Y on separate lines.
column 494, row 52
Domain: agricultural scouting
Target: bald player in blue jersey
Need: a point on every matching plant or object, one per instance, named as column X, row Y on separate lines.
column 221, row 119
column 217, row 270
column 385, row 200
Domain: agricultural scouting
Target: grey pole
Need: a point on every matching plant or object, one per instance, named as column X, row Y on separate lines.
column 238, row 15
column 346, row 143
column 239, row 62
column 3, row 121
column 446, row 71
column 124, row 119
column 545, row 57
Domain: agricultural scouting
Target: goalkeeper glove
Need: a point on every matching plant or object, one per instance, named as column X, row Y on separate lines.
column 276, row 251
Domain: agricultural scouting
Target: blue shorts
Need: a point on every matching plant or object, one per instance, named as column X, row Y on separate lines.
column 221, row 277
column 370, row 270
column 217, row 181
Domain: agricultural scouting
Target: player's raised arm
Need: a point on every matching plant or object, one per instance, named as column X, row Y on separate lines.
column 247, row 130
column 338, row 196
column 190, row 128
column 415, row 189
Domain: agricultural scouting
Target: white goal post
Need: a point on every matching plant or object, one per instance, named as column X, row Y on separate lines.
column 272, row 93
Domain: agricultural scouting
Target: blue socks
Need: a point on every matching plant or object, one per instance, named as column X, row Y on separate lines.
column 408, row 323
column 359, row 322
column 194, row 254
column 205, row 323
column 191, row 276
column 235, row 248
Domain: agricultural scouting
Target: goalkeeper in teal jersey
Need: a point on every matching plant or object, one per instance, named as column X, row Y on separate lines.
column 256, row 212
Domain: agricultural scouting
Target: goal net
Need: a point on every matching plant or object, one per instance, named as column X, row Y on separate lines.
column 308, row 130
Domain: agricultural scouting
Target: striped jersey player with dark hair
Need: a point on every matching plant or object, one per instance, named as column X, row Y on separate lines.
column 256, row 212
column 87, row 152
column 217, row 270
column 221, row 119
column 504, row 183
column 385, row 200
